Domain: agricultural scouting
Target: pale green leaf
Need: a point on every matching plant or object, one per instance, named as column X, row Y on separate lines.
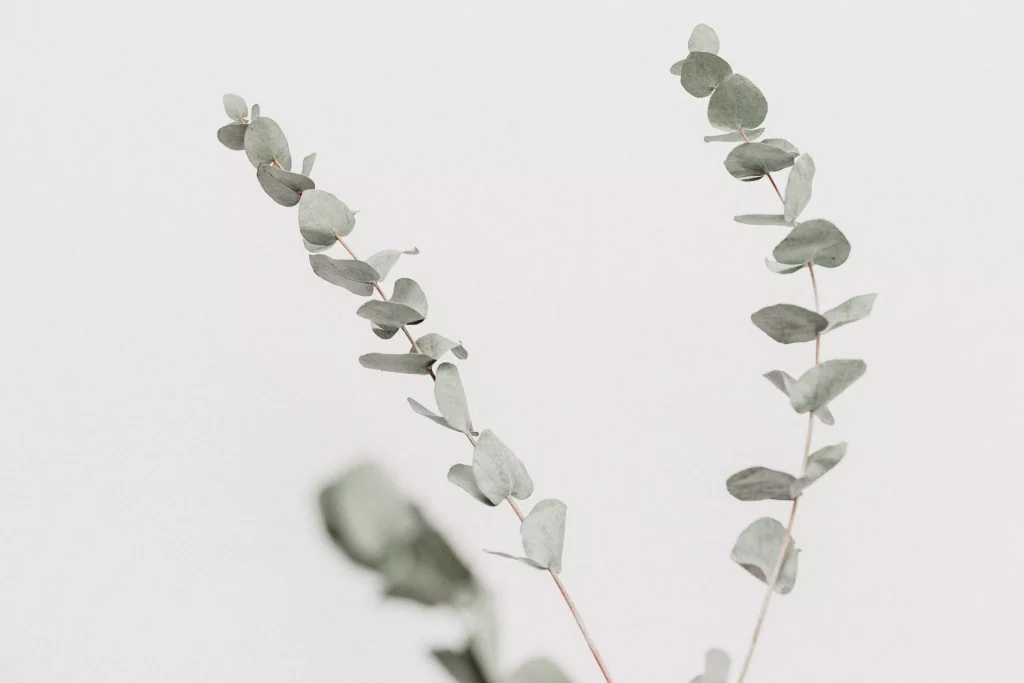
column 307, row 164
column 383, row 331
column 821, row 384
column 538, row 671
column 737, row 103
column 427, row 570
column 789, row 324
column 761, row 483
column 498, row 471
column 463, row 665
column 758, row 549
column 716, row 667
column 235, row 107
column 283, row 187
column 761, row 219
column 754, row 159
column 333, row 271
column 798, row 186
column 735, row 137
column 784, row 145
column 265, row 143
column 421, row 409
column 314, row 248
column 703, row 39
column 543, row 533
column 435, row 346
column 389, row 314
column 451, row 397
column 255, row 113
column 850, row 311
column 817, row 241
column 701, row 72
column 783, row 268
column 385, row 260
column 408, row 293
column 323, row 218
column 784, row 383
column 357, row 271
column 407, row 363
column 462, row 476
column 518, row 558
column 232, row 135
column 818, row 464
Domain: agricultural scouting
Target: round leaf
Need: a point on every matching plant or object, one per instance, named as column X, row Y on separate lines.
column 789, row 324
column 235, row 107
column 737, row 103
column 323, row 217
column 543, row 533
column 498, row 471
column 232, row 135
column 757, row 550
column 265, row 143
column 752, row 160
column 701, row 72
column 816, row 241
column 703, row 39
column 283, row 187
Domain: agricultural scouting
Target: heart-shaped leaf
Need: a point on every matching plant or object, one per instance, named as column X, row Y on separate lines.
column 754, row 159
column 265, row 143
column 498, row 472
column 406, row 363
column 323, row 218
column 701, row 72
column 385, row 260
column 451, row 397
column 784, row 383
column 334, row 271
column 821, row 384
column 232, row 135
column 850, row 311
column 543, row 533
column 735, row 137
column 818, row 464
column 703, row 39
column 235, row 107
column 816, row 241
column 737, row 103
column 798, row 187
column 789, row 324
column 758, row 548
column 283, row 187
column 761, row 483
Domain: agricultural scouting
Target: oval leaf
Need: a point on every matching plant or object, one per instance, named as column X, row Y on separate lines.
column 255, row 113
column 498, row 471
column 818, row 464
column 383, row 331
column 388, row 314
column 405, row 363
column 817, row 241
column 232, row 135
column 754, row 159
column 421, row 409
column 265, row 143
column 761, row 483
column 323, row 217
column 761, row 219
column 333, row 271
column 451, row 397
column 385, row 260
column 701, row 72
column 850, row 311
column 283, row 187
column 408, row 293
column 543, row 533
column 435, row 346
column 462, row 476
column 788, row 324
column 737, row 103
column 307, row 164
column 784, row 383
column 758, row 548
column 703, row 39
column 821, row 384
column 798, row 187
column 235, row 107
column 784, row 145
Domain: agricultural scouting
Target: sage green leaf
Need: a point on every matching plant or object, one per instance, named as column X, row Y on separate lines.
column 538, row 671
column 407, row 363
column 385, row 260
column 784, row 145
column 789, row 324
column 408, row 293
column 716, row 668
column 498, row 471
column 366, row 515
column 677, row 68
column 850, row 311
column 784, row 383
column 543, row 533
column 265, row 143
column 760, row 483
column 761, row 219
column 255, row 113
column 435, row 346
column 798, row 187
column 307, row 164
column 525, row 560
column 451, row 397
column 462, row 476
column 427, row 570
column 356, row 271
column 421, row 409
column 235, row 107
column 323, row 218
column 754, row 159
column 383, row 331
column 735, row 137
column 315, row 248
column 758, row 548
column 783, row 268
column 816, row 241
column 283, row 187
column 821, row 384
column 703, row 39
column 388, row 314
column 232, row 135
column 737, row 103
column 463, row 665
column 818, row 464
column 333, row 271
column 701, row 72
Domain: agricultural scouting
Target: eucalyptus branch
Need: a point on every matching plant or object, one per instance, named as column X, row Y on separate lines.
column 496, row 474
column 737, row 107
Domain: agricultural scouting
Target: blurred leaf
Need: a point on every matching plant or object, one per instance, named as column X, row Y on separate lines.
column 701, row 72
column 789, row 324
column 735, row 137
column 333, row 271
column 754, row 159
column 737, row 103
column 703, row 39
column 798, row 186
column 538, row 671
column 435, row 346
column 816, row 241
column 497, row 470
column 525, row 560
column 265, row 143
column 783, row 268
column 232, row 135
column 235, row 107
column 385, row 260
column 757, row 550
column 784, row 383
column 760, row 483
column 850, row 311
column 821, row 384
column 307, row 164
column 408, row 293
column 716, row 668
column 451, row 397
column 407, row 363
column 462, row 476
column 761, row 219
column 818, row 464
column 323, row 217
column 427, row 570
column 784, row 145
column 543, row 533
column 463, row 665
column 283, row 187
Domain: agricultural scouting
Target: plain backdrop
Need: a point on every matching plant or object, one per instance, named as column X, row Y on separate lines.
column 176, row 385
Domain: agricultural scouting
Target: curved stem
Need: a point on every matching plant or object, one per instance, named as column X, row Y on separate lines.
column 515, row 508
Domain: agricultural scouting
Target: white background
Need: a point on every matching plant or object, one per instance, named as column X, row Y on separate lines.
column 177, row 385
